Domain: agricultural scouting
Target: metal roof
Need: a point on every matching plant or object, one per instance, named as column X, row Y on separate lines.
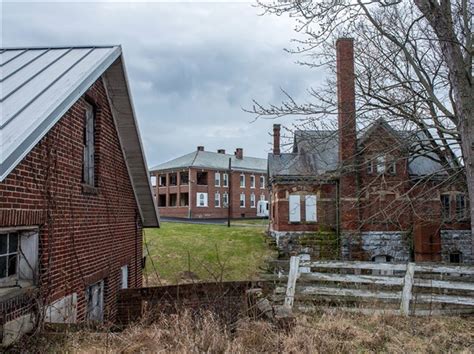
column 214, row 161
column 37, row 87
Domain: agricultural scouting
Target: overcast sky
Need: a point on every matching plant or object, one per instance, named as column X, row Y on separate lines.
column 191, row 66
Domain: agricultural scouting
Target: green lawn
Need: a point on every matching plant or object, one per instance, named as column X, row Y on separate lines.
column 179, row 252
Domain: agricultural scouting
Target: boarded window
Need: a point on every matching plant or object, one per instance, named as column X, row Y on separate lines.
column 88, row 163
column 124, row 277
column 201, row 199
column 294, row 208
column 311, row 208
column 95, row 302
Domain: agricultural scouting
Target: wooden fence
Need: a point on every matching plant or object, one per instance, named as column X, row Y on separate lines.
column 405, row 288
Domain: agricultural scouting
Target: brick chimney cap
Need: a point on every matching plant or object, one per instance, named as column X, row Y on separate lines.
column 276, row 125
column 345, row 39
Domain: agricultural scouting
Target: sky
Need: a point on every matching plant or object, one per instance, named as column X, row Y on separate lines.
column 192, row 67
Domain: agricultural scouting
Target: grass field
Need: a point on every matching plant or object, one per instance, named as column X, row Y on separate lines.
column 179, row 252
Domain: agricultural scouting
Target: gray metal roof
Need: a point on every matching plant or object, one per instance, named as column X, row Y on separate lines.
column 214, row 161
column 39, row 85
column 316, row 152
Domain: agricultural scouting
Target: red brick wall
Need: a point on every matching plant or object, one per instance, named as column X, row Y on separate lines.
column 84, row 237
column 211, row 211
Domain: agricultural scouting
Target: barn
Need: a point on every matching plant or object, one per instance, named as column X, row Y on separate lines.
column 75, row 192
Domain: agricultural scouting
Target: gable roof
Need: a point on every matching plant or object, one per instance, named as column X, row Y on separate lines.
column 39, row 85
column 215, row 161
column 316, row 152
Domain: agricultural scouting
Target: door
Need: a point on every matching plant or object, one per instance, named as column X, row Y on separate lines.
column 95, row 302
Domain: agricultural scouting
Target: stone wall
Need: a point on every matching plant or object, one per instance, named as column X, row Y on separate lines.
column 457, row 241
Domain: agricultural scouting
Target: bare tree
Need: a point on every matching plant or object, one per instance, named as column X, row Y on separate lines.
column 414, row 67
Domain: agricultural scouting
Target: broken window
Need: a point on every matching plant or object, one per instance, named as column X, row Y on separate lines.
column 225, row 180
column 242, row 200
column 455, row 257
column 446, row 206
column 173, row 199
column 95, row 302
column 162, row 200
column 217, row 179
column 183, row 178
column 162, row 180
column 202, row 178
column 461, row 207
column 225, row 200
column 8, row 255
column 252, row 181
column 173, row 179
column 217, row 200
column 184, row 199
column 89, row 154
column 124, row 277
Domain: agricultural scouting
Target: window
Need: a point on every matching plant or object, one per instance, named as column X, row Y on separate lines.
column 262, row 196
column 183, row 178
column 202, row 178
column 201, row 199
column 225, row 178
column 95, row 302
column 294, row 208
column 225, row 200
column 262, row 182
column 380, row 164
column 242, row 181
column 18, row 256
column 173, row 179
column 370, row 167
column 455, row 257
column 153, row 180
column 252, row 200
column 89, row 155
column 124, row 277
column 461, row 209
column 162, row 200
column 217, row 200
column 184, row 199
column 8, row 255
column 392, row 168
column 446, row 206
column 173, row 200
column 242, row 200
column 162, row 180
column 252, row 181
column 311, row 208
column 217, row 178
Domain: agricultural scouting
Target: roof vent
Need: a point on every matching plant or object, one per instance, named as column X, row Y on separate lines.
column 220, row 151
column 200, row 148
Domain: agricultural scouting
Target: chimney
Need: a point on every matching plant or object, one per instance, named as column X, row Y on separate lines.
column 221, row 151
column 276, row 139
column 200, row 148
column 346, row 99
column 239, row 153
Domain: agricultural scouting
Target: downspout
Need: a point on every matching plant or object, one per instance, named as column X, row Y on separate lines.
column 189, row 193
column 338, row 219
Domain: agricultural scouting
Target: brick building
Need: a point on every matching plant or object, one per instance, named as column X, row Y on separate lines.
column 74, row 187
column 374, row 190
column 199, row 185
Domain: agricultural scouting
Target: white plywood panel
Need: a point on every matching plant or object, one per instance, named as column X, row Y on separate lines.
column 311, row 208
column 294, row 208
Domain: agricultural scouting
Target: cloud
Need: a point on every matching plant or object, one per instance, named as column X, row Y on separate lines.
column 191, row 66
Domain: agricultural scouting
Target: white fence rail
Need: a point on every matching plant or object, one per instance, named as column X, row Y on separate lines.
column 409, row 285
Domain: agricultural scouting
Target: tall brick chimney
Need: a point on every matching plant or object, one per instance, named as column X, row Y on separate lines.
column 239, row 153
column 200, row 148
column 276, row 139
column 220, row 151
column 346, row 100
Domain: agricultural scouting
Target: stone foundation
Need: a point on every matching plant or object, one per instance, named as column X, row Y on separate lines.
column 319, row 245
column 457, row 241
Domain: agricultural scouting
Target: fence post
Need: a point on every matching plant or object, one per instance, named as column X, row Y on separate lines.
column 407, row 289
column 292, row 276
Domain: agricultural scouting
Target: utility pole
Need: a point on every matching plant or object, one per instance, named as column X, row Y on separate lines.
column 229, row 196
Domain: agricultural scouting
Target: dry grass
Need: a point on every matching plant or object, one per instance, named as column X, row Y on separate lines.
column 335, row 332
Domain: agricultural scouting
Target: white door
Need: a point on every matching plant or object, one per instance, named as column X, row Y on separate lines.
column 95, row 302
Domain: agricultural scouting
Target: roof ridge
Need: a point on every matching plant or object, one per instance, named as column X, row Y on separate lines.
column 60, row 47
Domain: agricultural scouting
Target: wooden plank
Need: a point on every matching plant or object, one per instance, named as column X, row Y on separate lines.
column 445, row 269
column 317, row 290
column 291, row 286
column 446, row 299
column 351, row 278
column 444, row 284
column 407, row 289
column 355, row 265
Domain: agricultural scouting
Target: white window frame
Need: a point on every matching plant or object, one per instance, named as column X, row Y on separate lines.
column 217, row 179
column 380, row 164
column 199, row 199
column 262, row 182
column 217, row 200
column 225, row 200
column 252, row 181
column 294, row 208
column 242, row 180
column 89, row 144
column 242, row 200
column 311, row 208
column 225, row 180
column 262, row 197
column 124, row 277
column 252, row 201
